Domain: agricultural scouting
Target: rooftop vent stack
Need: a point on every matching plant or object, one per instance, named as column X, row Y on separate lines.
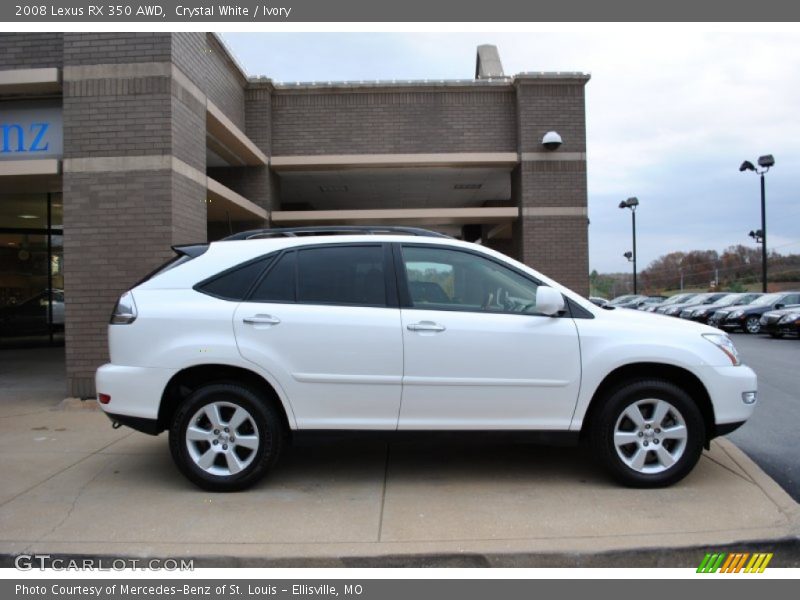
column 487, row 62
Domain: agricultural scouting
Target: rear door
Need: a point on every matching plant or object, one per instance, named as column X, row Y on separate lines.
column 324, row 321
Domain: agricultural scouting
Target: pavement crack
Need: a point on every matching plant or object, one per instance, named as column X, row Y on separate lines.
column 74, row 503
column 747, row 478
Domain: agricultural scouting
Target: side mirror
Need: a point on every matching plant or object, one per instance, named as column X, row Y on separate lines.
column 548, row 301
column 778, row 306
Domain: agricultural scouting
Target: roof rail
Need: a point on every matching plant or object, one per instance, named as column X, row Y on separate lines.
column 254, row 234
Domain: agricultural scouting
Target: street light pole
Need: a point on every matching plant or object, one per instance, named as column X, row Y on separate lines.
column 765, row 162
column 763, row 236
column 632, row 203
column 633, row 221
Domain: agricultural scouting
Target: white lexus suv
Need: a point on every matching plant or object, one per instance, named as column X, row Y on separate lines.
column 238, row 345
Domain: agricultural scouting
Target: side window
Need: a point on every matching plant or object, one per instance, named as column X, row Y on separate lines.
column 234, row 284
column 444, row 279
column 341, row 275
column 278, row 285
column 792, row 299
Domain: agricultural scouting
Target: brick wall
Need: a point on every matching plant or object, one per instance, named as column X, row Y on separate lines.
column 115, row 48
column 393, row 121
column 558, row 247
column 544, row 106
column 30, row 50
column 120, row 224
column 117, row 117
column 118, row 227
column 203, row 59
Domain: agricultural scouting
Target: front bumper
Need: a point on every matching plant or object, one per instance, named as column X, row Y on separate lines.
column 726, row 387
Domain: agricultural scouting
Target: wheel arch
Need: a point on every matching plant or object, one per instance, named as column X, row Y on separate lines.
column 679, row 376
column 187, row 380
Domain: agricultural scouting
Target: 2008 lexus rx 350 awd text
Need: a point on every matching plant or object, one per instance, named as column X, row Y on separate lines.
column 236, row 345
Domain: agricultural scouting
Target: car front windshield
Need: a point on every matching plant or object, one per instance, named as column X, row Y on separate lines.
column 766, row 300
column 729, row 300
column 678, row 299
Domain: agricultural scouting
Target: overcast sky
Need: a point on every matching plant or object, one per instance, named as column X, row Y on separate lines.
column 670, row 117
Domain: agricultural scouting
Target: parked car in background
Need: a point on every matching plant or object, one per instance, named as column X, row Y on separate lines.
column 627, row 298
column 697, row 300
column 703, row 314
column 598, row 301
column 748, row 318
column 648, row 301
column 635, row 303
column 671, row 301
column 785, row 321
column 687, row 310
column 34, row 315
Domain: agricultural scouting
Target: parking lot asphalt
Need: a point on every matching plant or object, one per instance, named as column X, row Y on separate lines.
column 772, row 436
column 72, row 485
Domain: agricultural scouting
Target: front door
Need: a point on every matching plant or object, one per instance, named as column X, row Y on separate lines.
column 477, row 356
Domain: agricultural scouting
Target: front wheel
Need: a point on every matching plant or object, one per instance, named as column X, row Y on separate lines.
column 648, row 433
column 752, row 325
column 225, row 437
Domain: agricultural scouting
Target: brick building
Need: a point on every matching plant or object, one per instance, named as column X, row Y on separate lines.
column 116, row 146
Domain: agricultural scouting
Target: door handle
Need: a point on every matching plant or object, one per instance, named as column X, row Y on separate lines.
column 262, row 320
column 426, row 326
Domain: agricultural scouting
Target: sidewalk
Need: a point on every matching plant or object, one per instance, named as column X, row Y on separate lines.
column 73, row 485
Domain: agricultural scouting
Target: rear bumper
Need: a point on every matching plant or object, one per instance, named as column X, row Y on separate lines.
column 149, row 426
column 135, row 392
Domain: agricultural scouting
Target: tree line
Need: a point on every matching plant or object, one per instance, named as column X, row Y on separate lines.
column 731, row 269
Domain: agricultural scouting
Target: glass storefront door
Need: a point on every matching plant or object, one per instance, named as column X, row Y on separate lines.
column 31, row 274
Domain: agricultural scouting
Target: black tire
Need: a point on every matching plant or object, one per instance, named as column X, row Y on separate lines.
column 264, row 420
column 752, row 325
column 604, row 423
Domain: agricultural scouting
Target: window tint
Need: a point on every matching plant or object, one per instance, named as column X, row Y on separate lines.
column 278, row 285
column 443, row 279
column 341, row 275
column 235, row 284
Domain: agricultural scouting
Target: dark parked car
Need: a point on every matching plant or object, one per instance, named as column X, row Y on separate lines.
column 781, row 322
column 671, row 301
column 33, row 315
column 622, row 301
column 748, row 318
column 598, row 301
column 703, row 314
column 698, row 300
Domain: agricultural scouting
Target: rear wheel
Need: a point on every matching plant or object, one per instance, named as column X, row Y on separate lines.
column 648, row 433
column 752, row 325
column 225, row 437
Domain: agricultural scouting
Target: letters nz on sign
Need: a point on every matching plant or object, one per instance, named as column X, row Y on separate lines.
column 30, row 130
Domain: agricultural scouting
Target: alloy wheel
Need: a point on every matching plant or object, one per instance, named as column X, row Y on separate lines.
column 650, row 436
column 222, row 438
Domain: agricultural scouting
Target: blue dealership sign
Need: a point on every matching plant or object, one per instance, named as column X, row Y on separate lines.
column 30, row 130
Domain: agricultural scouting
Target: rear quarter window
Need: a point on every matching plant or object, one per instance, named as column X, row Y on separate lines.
column 235, row 283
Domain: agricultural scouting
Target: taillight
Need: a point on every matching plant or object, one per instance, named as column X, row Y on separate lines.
column 103, row 398
column 125, row 310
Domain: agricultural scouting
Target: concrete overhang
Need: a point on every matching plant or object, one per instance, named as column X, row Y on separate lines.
column 408, row 216
column 230, row 142
column 373, row 161
column 30, row 81
column 30, row 168
column 223, row 204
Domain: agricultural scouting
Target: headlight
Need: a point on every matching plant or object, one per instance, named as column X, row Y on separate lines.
column 724, row 343
column 736, row 314
column 790, row 317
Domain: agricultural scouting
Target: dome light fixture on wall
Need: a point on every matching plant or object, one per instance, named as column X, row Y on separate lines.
column 551, row 140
